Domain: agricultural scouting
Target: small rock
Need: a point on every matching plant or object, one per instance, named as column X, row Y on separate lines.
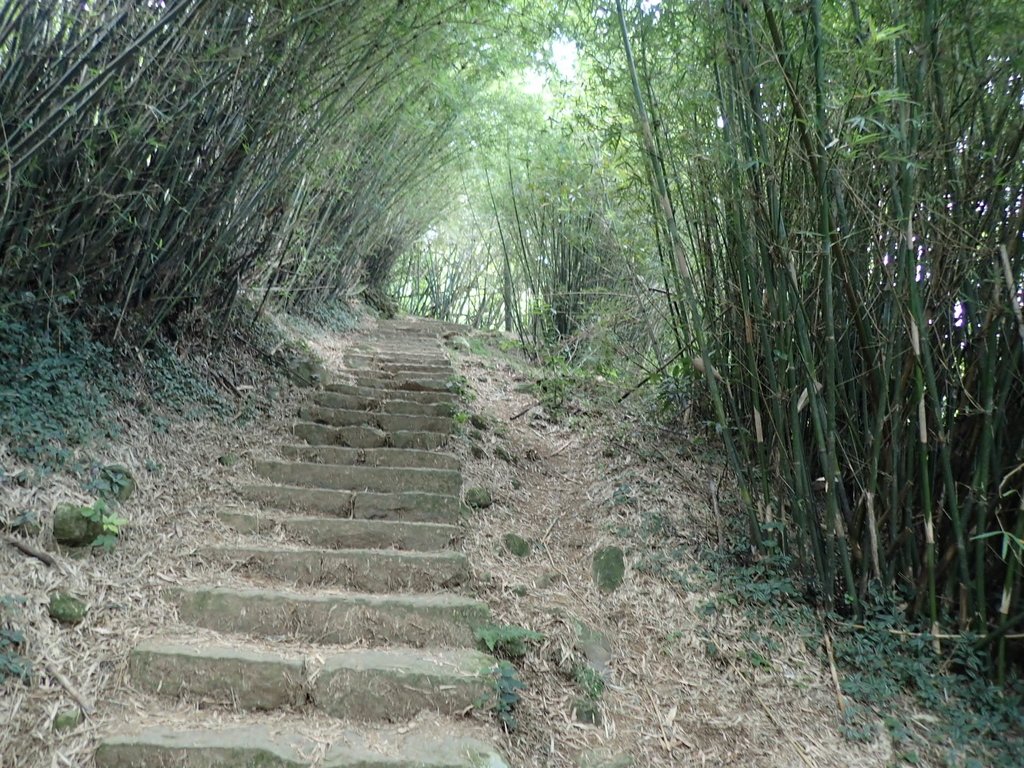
column 609, row 568
column 549, row 578
column 479, row 498
column 480, row 422
column 586, row 711
column 72, row 526
column 26, row 522
column 228, row 459
column 504, row 455
column 477, row 451
column 67, row 719
column 461, row 343
column 517, row 545
column 604, row 758
column 66, row 608
column 595, row 647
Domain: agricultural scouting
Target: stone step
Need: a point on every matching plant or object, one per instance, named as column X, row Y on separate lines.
column 372, row 457
column 367, row 437
column 275, row 742
column 365, row 570
column 348, row 388
column 387, row 422
column 356, row 684
column 346, row 534
column 380, row 405
column 334, row 618
column 399, row 369
column 403, row 384
column 410, row 507
column 359, row 477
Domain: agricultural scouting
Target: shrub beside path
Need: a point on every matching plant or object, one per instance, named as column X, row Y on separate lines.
column 333, row 632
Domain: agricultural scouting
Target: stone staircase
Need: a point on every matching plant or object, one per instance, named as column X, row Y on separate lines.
column 356, row 617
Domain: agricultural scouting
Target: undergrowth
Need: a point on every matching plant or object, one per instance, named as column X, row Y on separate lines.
column 64, row 387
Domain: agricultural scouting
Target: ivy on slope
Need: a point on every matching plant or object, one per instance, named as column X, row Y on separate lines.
column 61, row 388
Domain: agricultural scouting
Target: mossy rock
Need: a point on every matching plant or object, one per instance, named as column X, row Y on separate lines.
column 306, row 373
column 116, row 482
column 73, row 528
column 67, row 719
column 517, row 545
column 228, row 459
column 461, row 343
column 504, row 455
column 480, row 422
column 67, row 609
column 586, row 711
column 609, row 569
column 479, row 498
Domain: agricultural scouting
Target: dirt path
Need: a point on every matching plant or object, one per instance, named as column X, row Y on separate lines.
column 690, row 678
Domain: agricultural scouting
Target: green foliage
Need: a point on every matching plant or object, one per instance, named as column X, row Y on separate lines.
column 506, row 642
column 507, row 685
column 589, row 680
column 99, row 512
column 58, row 383
column 13, row 664
column 881, row 663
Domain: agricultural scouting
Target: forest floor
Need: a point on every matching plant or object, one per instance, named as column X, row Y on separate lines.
column 702, row 657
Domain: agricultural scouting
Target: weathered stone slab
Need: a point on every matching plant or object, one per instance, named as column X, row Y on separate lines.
column 409, row 620
column 367, row 684
column 248, row 678
column 348, row 388
column 422, row 507
column 346, row 533
column 372, row 457
column 352, row 437
column 382, row 405
column 388, row 422
column 360, row 477
column 411, row 507
column 366, row 570
column 279, row 744
column 359, row 684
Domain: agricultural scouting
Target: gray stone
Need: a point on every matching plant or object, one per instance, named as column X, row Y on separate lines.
column 586, row 711
column 433, row 620
column 609, row 568
column 604, row 758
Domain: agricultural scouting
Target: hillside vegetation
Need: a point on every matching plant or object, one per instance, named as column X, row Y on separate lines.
column 794, row 228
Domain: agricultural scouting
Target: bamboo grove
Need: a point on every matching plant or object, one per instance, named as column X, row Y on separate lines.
column 845, row 213
column 164, row 158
